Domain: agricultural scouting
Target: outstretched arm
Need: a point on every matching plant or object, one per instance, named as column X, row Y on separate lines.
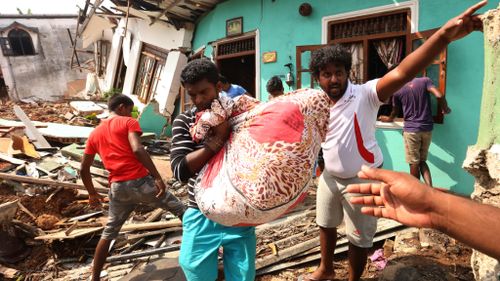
column 441, row 99
column 403, row 198
column 454, row 29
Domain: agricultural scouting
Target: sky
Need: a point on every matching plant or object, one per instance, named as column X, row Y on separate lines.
column 41, row 6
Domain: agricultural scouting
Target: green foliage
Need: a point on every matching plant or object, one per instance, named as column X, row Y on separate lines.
column 111, row 92
column 135, row 112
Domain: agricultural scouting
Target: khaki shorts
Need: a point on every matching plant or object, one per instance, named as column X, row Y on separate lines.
column 417, row 146
column 125, row 196
column 333, row 206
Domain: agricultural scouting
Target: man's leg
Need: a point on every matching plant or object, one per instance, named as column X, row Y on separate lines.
column 357, row 261
column 147, row 193
column 199, row 247
column 101, row 253
column 239, row 244
column 360, row 230
column 412, row 152
column 426, row 173
column 119, row 211
column 424, row 150
column 327, row 242
column 329, row 215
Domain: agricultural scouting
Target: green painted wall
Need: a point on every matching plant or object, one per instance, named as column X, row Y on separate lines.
column 281, row 29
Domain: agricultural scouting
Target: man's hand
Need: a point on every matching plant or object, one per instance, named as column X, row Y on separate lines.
column 464, row 24
column 400, row 197
column 385, row 118
column 218, row 136
column 95, row 200
column 160, row 186
column 221, row 131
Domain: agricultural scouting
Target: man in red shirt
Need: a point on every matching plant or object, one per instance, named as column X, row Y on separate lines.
column 132, row 175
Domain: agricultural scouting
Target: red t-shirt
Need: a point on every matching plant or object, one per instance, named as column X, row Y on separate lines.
column 110, row 141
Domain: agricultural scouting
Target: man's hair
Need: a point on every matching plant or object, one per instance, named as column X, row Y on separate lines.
column 334, row 54
column 117, row 99
column 274, row 84
column 223, row 79
column 199, row 69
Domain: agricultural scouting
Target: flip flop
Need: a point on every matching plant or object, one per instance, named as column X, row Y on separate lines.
column 308, row 277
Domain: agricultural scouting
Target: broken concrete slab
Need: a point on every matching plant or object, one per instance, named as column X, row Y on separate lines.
column 38, row 140
column 161, row 269
column 84, row 108
column 75, row 151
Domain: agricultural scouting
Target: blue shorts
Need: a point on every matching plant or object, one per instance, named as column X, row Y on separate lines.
column 201, row 239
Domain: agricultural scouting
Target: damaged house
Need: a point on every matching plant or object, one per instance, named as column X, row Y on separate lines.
column 142, row 48
column 38, row 44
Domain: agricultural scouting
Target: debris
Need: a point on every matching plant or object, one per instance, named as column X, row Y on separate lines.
column 46, row 222
column 37, row 138
column 8, row 272
column 144, row 253
column 24, row 209
column 84, row 108
column 378, row 259
column 47, row 182
column 8, row 211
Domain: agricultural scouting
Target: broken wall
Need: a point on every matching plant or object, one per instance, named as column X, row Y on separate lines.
column 46, row 74
column 483, row 159
column 130, row 42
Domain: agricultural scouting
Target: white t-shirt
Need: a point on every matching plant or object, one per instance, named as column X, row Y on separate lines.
column 350, row 141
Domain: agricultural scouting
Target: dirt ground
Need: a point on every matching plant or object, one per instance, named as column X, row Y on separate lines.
column 452, row 262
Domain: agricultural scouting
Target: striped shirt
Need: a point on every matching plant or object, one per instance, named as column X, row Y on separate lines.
column 182, row 145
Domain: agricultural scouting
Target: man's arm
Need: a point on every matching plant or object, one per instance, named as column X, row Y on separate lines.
column 454, row 29
column 94, row 198
column 186, row 160
column 440, row 98
column 403, row 198
column 143, row 157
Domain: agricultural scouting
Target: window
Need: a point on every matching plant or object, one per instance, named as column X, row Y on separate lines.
column 19, row 43
column 149, row 72
column 377, row 42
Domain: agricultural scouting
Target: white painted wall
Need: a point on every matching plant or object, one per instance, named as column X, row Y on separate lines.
column 170, row 82
column 161, row 35
column 46, row 74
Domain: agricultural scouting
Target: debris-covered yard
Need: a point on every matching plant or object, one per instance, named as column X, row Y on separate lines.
column 49, row 230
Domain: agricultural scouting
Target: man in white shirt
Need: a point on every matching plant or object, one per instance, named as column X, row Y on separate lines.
column 350, row 141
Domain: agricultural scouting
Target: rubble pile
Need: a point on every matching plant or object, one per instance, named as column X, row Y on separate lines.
column 49, row 231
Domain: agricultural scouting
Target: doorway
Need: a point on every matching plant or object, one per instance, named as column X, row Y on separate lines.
column 235, row 59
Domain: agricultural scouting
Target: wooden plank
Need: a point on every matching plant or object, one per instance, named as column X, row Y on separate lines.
column 151, row 225
column 38, row 140
column 128, row 227
column 24, row 179
column 62, row 235
column 385, row 229
column 152, row 233
column 313, row 255
column 287, row 253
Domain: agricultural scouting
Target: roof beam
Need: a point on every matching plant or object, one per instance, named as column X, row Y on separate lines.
column 175, row 2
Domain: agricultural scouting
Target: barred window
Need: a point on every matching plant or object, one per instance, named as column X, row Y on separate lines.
column 20, row 43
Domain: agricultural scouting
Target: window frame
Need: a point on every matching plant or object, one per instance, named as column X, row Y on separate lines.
column 154, row 59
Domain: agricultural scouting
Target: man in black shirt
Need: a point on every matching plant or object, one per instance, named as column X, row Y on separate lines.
column 202, row 238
